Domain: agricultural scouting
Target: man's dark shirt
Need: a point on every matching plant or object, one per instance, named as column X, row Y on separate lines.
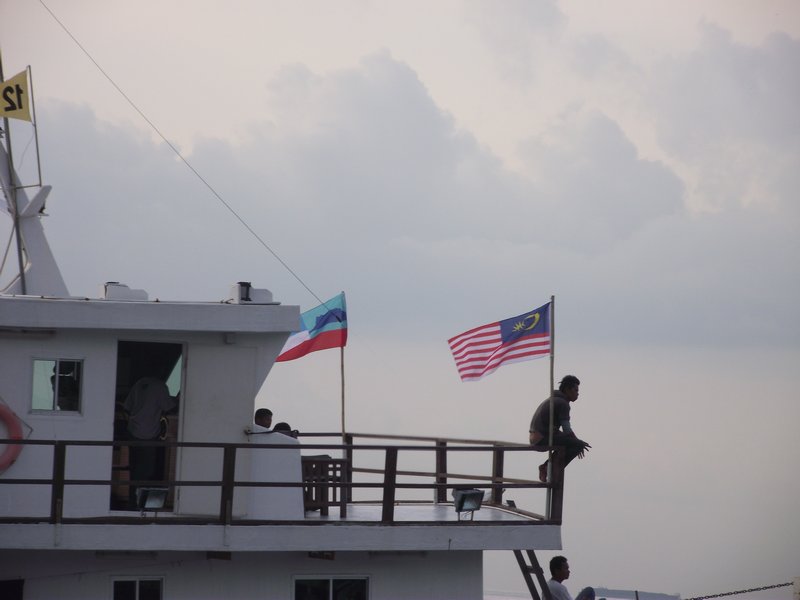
column 540, row 422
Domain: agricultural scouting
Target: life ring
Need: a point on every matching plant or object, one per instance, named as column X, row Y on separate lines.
column 14, row 428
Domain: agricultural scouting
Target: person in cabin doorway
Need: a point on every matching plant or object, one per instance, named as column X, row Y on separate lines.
column 559, row 571
column 262, row 418
column 146, row 403
column 565, row 439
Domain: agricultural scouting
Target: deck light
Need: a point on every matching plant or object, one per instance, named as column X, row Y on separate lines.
column 467, row 501
column 151, row 498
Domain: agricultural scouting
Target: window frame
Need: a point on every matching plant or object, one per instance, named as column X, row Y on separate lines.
column 330, row 579
column 55, row 409
column 138, row 579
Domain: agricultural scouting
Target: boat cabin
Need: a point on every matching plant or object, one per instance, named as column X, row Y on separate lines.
column 67, row 366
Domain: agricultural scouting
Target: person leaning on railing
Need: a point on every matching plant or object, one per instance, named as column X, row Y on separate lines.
column 565, row 439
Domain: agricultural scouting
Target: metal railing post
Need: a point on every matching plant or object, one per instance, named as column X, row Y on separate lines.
column 348, row 454
column 389, row 483
column 497, row 475
column 441, row 471
column 554, row 512
column 57, row 495
column 228, row 474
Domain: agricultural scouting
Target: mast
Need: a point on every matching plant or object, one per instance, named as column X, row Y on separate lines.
column 38, row 271
column 11, row 192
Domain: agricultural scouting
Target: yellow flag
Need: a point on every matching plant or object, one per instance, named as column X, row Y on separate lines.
column 15, row 101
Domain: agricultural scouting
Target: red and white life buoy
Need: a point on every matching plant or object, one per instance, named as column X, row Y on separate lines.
column 14, row 427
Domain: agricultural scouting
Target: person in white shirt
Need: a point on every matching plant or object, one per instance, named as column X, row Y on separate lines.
column 559, row 570
column 263, row 419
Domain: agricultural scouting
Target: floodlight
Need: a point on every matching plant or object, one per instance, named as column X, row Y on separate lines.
column 149, row 498
column 467, row 501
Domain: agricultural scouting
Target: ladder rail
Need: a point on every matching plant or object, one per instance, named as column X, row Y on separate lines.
column 532, row 566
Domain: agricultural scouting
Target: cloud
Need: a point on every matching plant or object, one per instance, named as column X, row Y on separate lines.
column 726, row 111
column 375, row 191
column 711, row 280
column 596, row 189
column 595, row 56
column 124, row 208
column 515, row 34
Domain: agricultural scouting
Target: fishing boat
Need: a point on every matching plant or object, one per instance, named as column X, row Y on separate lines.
column 222, row 509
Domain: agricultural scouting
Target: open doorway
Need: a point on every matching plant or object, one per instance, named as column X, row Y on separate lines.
column 146, row 408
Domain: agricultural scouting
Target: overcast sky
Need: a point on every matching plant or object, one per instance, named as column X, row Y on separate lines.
column 453, row 163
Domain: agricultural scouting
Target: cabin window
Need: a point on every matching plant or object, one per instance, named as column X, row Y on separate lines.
column 138, row 589
column 331, row 588
column 57, row 384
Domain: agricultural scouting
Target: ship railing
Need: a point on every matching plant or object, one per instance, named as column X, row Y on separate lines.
column 367, row 473
column 440, row 480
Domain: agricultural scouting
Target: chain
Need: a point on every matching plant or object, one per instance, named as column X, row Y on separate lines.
column 758, row 589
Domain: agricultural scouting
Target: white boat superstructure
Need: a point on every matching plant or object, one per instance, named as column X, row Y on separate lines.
column 223, row 512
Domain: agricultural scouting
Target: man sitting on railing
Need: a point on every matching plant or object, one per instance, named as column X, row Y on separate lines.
column 540, row 424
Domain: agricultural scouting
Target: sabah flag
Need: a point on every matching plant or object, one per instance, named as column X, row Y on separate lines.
column 323, row 327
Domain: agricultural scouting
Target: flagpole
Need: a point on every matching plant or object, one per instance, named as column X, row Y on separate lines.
column 341, row 364
column 552, row 387
column 552, row 361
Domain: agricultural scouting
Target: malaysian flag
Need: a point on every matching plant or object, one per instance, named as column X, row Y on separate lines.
column 482, row 350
